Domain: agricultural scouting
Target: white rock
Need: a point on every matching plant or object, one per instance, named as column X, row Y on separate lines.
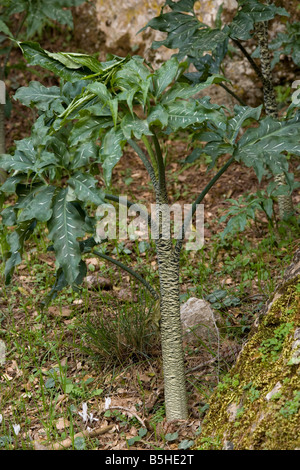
column 2, row 352
column 198, row 321
column 122, row 20
column 273, row 391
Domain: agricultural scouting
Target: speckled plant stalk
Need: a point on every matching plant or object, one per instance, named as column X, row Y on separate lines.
column 168, row 257
column 171, row 334
column 285, row 202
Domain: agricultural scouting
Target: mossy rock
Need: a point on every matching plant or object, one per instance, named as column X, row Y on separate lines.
column 257, row 404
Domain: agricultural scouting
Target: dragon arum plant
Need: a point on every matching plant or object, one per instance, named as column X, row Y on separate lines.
column 206, row 48
column 86, row 123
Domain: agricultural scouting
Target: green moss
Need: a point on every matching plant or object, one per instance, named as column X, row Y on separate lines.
column 271, row 347
column 291, row 407
column 239, row 410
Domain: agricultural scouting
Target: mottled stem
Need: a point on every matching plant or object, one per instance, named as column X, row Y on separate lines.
column 285, row 202
column 171, row 335
column 129, row 271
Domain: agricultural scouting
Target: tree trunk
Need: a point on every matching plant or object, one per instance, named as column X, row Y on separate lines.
column 171, row 334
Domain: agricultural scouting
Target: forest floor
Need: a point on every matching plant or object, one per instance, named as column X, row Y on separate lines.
column 93, row 347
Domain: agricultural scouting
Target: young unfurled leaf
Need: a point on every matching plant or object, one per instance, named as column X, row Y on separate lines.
column 185, row 444
column 111, row 151
column 38, row 56
column 79, row 443
column 100, row 90
column 76, row 61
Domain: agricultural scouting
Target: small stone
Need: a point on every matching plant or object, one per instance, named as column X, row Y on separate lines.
column 232, row 411
column 62, row 423
column 273, row 391
column 98, row 282
column 228, row 445
column 297, row 334
column 2, row 352
column 198, row 321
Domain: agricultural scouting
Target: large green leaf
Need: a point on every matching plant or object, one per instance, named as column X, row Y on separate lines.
column 183, row 114
column 23, row 158
column 40, row 96
column 65, row 227
column 165, row 75
column 84, row 187
column 264, row 145
column 181, row 5
column 251, row 12
column 9, row 217
column 9, row 186
column 158, row 116
column 131, row 125
column 16, row 241
column 185, row 90
column 237, row 121
column 185, row 32
column 39, row 207
column 83, row 155
column 5, row 29
column 88, row 128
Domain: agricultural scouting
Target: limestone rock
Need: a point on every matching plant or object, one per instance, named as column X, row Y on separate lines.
column 198, row 321
column 2, row 352
column 119, row 23
column 98, row 282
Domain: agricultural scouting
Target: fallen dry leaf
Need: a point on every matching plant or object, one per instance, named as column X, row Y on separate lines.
column 62, row 423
